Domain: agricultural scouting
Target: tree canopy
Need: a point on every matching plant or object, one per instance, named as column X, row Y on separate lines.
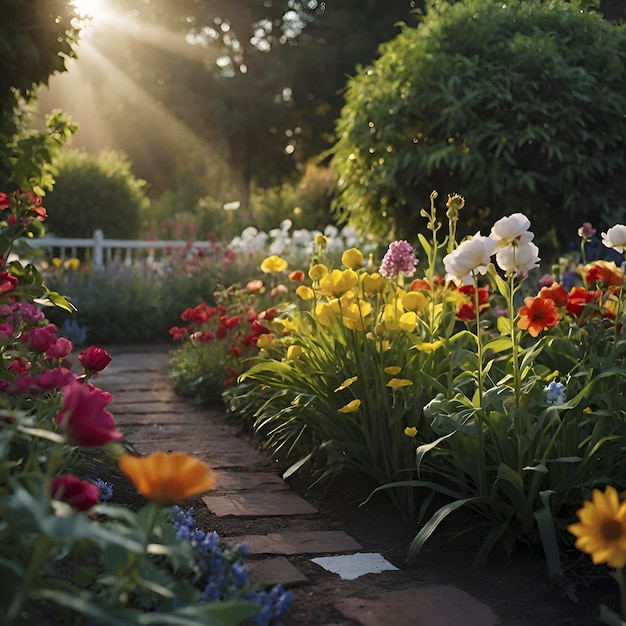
column 516, row 106
column 36, row 39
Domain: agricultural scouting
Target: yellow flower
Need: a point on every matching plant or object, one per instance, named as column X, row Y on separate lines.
column 410, row 431
column 327, row 312
column 352, row 258
column 346, row 383
column 264, row 341
column 415, row 301
column 397, row 383
column 392, row 370
column 294, row 352
column 73, row 264
column 167, row 478
column 57, row 262
column 408, row 321
column 351, row 407
column 373, row 284
column 338, row 282
column 587, row 410
column 321, row 241
column 355, row 315
column 429, row 347
column 601, row 531
column 273, row 264
column 304, row 292
column 318, row 271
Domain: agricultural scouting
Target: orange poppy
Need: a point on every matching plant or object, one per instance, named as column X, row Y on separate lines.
column 537, row 315
column 556, row 293
column 167, row 478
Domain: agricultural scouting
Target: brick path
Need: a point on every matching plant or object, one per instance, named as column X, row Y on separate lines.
column 288, row 541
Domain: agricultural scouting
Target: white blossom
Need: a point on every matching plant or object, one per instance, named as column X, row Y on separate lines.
column 615, row 237
column 511, row 230
column 470, row 258
column 518, row 259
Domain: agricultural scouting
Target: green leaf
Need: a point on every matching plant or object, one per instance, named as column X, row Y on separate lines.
column 500, row 344
column 504, row 325
column 297, row 465
column 545, row 524
column 429, row 528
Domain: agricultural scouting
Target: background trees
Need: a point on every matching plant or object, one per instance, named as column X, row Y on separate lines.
column 518, row 108
column 36, row 39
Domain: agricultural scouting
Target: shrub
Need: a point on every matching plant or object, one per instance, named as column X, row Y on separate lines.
column 518, row 106
column 95, row 192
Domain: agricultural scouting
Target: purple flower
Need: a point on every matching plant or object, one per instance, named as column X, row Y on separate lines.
column 400, row 257
column 586, row 231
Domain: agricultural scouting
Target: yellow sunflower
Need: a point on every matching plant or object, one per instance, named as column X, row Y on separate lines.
column 601, row 531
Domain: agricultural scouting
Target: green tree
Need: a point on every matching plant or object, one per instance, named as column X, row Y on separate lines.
column 95, row 192
column 516, row 106
column 36, row 39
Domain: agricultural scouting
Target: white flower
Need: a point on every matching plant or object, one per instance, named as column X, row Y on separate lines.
column 470, row 258
column 518, row 259
column 511, row 230
column 615, row 238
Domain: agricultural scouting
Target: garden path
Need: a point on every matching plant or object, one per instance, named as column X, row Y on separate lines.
column 285, row 533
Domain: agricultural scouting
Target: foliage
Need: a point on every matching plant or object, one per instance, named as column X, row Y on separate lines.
column 96, row 192
column 63, row 555
column 37, row 39
column 262, row 83
column 512, row 411
column 306, row 203
column 497, row 102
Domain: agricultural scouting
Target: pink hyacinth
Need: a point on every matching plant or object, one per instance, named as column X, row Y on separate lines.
column 399, row 258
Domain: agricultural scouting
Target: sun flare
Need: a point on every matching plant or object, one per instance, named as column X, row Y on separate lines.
column 89, row 9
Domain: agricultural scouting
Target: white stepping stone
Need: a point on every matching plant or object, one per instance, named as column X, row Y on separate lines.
column 351, row 566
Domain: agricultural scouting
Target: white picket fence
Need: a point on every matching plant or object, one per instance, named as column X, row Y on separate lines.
column 104, row 251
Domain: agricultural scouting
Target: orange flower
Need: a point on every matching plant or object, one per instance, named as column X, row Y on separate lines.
column 556, row 293
column 167, row 478
column 604, row 272
column 537, row 315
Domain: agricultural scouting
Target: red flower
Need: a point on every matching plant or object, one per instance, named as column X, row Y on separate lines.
column 94, row 359
column 270, row 314
column 579, row 298
column 537, row 315
column 297, row 276
column 556, row 293
column 419, row 283
column 604, row 272
column 467, row 311
column 40, row 339
column 178, row 333
column 5, row 203
column 234, row 351
column 83, row 418
column 79, row 494
column 7, row 282
column 59, row 349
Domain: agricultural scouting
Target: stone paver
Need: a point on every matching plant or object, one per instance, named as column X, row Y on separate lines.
column 439, row 605
column 243, row 481
column 276, row 570
column 259, row 504
column 351, row 566
column 300, row 542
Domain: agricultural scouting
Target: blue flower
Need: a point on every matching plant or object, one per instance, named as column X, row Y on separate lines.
column 555, row 393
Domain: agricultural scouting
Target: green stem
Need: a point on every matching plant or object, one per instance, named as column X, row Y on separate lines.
column 480, row 383
column 622, row 592
column 517, row 383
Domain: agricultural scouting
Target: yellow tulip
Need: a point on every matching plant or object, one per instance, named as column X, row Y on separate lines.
column 352, row 258
column 398, row 383
column 351, row 407
column 408, row 321
column 318, row 271
column 273, row 264
column 305, row 293
column 167, row 478
column 338, row 282
column 373, row 284
column 294, row 352
column 415, row 301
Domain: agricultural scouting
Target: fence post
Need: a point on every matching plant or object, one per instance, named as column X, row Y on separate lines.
column 98, row 257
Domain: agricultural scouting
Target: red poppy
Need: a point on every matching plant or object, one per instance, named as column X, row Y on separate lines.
column 604, row 272
column 79, row 494
column 5, row 203
column 178, row 333
column 7, row 282
column 419, row 283
column 537, row 315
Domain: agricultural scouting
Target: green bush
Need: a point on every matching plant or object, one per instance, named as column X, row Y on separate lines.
column 95, row 192
column 518, row 106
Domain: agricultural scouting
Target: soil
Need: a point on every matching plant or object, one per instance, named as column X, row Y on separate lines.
column 516, row 586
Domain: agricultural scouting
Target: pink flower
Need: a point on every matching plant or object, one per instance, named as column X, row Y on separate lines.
column 94, row 359
column 59, row 349
column 83, row 418
column 400, row 257
column 79, row 494
column 40, row 339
